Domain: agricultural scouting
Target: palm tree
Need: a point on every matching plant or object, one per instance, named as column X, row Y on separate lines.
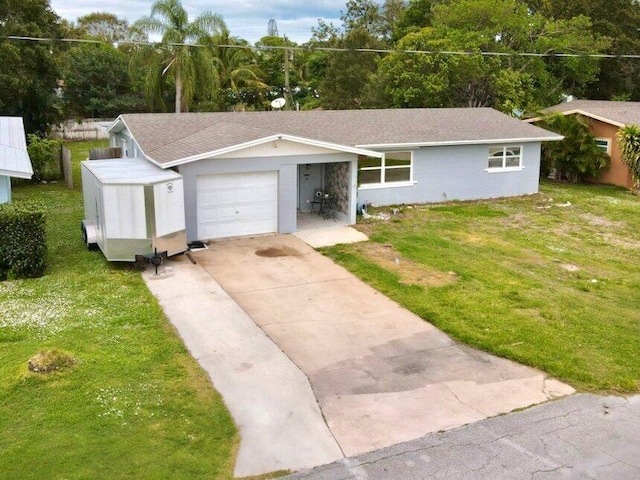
column 629, row 138
column 175, row 57
column 234, row 64
column 576, row 157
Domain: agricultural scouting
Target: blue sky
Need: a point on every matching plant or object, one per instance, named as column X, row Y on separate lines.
column 247, row 19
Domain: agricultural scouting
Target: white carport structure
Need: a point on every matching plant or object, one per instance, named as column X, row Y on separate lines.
column 14, row 159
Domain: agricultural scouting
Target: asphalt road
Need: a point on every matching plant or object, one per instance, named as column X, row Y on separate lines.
column 582, row 436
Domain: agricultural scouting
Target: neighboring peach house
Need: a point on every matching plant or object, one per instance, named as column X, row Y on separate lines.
column 605, row 119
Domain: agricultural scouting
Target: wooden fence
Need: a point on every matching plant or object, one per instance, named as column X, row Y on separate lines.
column 105, row 153
column 88, row 129
column 67, row 168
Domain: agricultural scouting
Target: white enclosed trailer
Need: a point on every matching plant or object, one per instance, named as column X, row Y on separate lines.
column 132, row 208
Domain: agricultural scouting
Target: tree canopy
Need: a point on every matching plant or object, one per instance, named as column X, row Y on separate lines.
column 106, row 26
column 506, row 80
column 97, row 82
column 30, row 70
column 514, row 55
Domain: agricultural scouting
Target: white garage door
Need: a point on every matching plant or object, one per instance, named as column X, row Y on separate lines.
column 237, row 204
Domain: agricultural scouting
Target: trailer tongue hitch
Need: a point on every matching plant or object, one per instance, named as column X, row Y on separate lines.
column 156, row 258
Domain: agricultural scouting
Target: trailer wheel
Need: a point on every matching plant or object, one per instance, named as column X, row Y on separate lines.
column 85, row 239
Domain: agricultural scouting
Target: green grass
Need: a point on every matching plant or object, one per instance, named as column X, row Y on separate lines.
column 515, row 294
column 134, row 404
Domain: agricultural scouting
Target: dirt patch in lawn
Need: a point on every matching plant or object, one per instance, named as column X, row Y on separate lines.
column 409, row 271
column 601, row 221
column 569, row 267
column 620, row 242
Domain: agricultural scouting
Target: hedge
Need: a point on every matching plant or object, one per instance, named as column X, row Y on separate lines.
column 45, row 158
column 23, row 243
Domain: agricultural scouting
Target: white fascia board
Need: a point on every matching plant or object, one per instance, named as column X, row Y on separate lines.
column 271, row 138
column 116, row 122
column 501, row 141
column 332, row 146
column 120, row 121
column 580, row 112
column 14, row 174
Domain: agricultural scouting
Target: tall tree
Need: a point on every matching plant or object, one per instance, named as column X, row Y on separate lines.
column 510, row 81
column 617, row 19
column 97, row 82
column 274, row 63
column 29, row 70
column 413, row 18
column 378, row 20
column 272, row 28
column 109, row 28
column 439, row 80
column 234, row 69
column 347, row 72
column 344, row 74
column 175, row 57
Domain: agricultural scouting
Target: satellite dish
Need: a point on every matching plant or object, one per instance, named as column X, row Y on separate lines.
column 278, row 103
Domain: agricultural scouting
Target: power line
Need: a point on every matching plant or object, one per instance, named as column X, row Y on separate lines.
column 311, row 48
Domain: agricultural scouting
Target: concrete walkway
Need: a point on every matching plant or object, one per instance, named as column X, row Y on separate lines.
column 281, row 426
column 330, row 236
column 582, row 436
column 381, row 374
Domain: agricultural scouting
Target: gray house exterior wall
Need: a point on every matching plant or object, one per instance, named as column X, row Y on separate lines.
column 287, row 168
column 458, row 173
column 440, row 173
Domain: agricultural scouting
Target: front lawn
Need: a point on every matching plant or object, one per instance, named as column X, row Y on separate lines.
column 135, row 404
column 550, row 280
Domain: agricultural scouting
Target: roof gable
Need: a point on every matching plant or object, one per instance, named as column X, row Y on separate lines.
column 614, row 113
column 171, row 139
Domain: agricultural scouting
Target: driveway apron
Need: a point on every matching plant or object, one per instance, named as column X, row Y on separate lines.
column 269, row 398
column 381, row 374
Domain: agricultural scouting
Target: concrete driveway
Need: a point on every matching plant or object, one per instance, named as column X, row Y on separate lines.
column 381, row 375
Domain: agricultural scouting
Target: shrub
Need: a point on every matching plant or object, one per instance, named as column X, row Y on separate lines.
column 45, row 158
column 23, row 245
column 577, row 157
column 629, row 138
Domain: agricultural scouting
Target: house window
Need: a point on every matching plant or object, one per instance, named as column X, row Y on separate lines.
column 395, row 167
column 604, row 144
column 505, row 157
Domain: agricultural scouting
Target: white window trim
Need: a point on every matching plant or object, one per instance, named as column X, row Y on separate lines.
column 608, row 140
column 503, row 168
column 371, row 186
column 383, row 168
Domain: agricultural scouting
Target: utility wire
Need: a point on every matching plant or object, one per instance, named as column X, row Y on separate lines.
column 311, row 48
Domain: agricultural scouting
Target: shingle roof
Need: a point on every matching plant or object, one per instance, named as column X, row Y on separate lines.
column 168, row 138
column 14, row 159
column 617, row 113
